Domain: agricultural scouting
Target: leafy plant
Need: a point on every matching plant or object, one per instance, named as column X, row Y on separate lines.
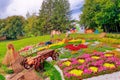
column 51, row 71
column 9, row 71
column 2, row 77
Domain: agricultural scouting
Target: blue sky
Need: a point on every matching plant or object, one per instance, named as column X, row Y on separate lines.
column 21, row 7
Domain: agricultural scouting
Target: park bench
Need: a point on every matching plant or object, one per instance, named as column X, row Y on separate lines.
column 38, row 61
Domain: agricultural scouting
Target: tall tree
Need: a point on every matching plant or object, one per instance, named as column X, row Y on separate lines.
column 53, row 15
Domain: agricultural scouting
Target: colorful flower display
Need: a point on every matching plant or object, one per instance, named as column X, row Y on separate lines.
column 67, row 63
column 89, row 64
column 76, row 72
column 75, row 47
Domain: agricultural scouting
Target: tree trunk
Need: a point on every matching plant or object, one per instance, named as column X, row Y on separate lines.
column 105, row 28
column 116, row 28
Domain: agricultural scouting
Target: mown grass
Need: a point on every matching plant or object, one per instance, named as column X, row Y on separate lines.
column 18, row 44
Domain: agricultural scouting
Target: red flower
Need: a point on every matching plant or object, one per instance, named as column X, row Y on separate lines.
column 75, row 47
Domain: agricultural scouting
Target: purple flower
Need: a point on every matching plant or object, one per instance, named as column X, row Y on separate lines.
column 85, row 56
column 67, row 68
column 118, row 63
column 81, row 67
column 89, row 59
column 98, row 53
column 87, row 71
column 102, row 68
column 74, row 61
column 99, row 62
column 67, row 75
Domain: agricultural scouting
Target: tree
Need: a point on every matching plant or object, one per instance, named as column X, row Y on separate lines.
column 31, row 27
column 2, row 27
column 53, row 15
column 14, row 27
column 104, row 13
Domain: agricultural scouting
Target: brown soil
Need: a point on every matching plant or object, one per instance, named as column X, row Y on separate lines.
column 25, row 75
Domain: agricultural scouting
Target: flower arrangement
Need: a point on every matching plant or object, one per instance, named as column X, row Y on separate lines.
column 75, row 41
column 89, row 65
column 57, row 45
column 74, row 48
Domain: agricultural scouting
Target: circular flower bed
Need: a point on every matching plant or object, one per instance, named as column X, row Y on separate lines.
column 89, row 64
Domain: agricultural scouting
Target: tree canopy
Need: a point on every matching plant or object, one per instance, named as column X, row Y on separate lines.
column 12, row 27
column 54, row 15
column 104, row 13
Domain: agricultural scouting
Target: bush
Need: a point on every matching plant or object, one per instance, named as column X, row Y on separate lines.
column 9, row 71
column 51, row 71
column 2, row 77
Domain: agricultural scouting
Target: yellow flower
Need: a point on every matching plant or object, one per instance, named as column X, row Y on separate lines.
column 39, row 49
column 67, row 63
column 60, row 43
column 73, row 52
column 63, row 40
column 75, row 40
column 108, row 55
column 94, row 69
column 81, row 60
column 109, row 65
column 76, row 72
column 83, row 41
column 95, row 57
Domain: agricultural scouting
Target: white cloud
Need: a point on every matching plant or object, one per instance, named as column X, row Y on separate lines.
column 74, row 3
column 21, row 7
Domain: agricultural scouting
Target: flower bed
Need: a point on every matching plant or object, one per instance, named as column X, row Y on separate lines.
column 76, row 41
column 73, row 47
column 87, row 65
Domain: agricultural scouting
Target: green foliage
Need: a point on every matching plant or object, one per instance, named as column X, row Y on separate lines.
column 9, row 71
column 6, row 70
column 12, row 27
column 31, row 28
column 100, row 30
column 2, row 77
column 69, row 55
column 110, row 40
column 104, row 13
column 115, row 36
column 51, row 71
column 54, row 15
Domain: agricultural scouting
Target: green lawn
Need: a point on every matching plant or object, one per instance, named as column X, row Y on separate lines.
column 18, row 44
